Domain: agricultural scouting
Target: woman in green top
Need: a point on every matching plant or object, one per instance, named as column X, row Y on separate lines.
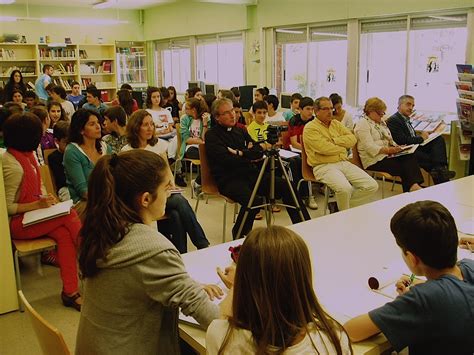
column 85, row 148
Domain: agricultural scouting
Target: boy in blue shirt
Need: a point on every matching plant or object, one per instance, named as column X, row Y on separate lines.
column 294, row 107
column 432, row 317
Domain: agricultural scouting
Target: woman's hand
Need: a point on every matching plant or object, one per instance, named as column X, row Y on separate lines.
column 46, row 201
column 394, row 150
column 205, row 117
column 227, row 276
column 213, row 291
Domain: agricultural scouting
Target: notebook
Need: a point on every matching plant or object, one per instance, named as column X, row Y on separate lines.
column 430, row 138
column 408, row 149
column 44, row 214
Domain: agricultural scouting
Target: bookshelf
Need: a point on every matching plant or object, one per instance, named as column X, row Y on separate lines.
column 462, row 129
column 84, row 63
column 131, row 64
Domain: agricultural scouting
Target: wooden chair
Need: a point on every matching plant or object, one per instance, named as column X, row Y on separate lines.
column 196, row 162
column 209, row 187
column 248, row 117
column 383, row 174
column 24, row 247
column 308, row 175
column 48, row 180
column 50, row 338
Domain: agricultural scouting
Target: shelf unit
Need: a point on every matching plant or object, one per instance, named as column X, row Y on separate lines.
column 462, row 130
column 84, row 63
column 131, row 64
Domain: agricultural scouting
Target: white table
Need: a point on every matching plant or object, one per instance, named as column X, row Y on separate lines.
column 346, row 248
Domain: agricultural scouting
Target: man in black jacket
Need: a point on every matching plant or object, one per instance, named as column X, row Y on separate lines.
column 432, row 156
column 231, row 153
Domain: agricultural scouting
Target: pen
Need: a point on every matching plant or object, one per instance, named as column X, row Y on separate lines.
column 412, row 278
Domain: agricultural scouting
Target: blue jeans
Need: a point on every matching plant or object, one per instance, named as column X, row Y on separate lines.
column 182, row 221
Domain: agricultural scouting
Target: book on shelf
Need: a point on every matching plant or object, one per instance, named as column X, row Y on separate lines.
column 45, row 214
column 25, row 70
column 86, row 82
column 463, row 85
column 82, row 54
column 7, row 54
column 465, row 68
column 56, row 53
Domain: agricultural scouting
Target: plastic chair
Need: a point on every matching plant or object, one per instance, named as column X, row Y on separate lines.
column 383, row 174
column 308, row 175
column 209, row 187
column 50, row 338
column 24, row 247
column 196, row 162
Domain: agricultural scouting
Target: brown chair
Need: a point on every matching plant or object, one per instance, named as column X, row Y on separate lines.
column 209, row 187
column 50, row 338
column 48, row 180
column 248, row 117
column 46, row 154
column 383, row 174
column 196, row 162
column 24, row 247
column 308, row 175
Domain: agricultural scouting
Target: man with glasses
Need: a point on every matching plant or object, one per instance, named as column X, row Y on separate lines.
column 432, row 157
column 231, row 154
column 326, row 142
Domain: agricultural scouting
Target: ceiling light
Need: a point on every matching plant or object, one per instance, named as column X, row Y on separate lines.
column 6, row 2
column 446, row 18
column 282, row 30
column 8, row 18
column 330, row 34
column 104, row 4
column 82, row 21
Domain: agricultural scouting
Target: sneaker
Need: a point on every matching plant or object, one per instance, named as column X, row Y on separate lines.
column 332, row 207
column 179, row 180
column 50, row 257
column 196, row 188
column 311, row 203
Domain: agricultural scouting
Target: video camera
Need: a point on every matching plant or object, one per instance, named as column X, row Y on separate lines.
column 274, row 132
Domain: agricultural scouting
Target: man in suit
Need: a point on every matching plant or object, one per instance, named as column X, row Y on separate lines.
column 432, row 156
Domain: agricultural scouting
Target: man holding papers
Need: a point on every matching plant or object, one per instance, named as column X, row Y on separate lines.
column 431, row 156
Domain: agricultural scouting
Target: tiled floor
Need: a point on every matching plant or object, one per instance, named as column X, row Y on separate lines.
column 43, row 291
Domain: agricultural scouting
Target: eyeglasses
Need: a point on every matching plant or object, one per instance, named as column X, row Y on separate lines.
column 380, row 113
column 326, row 108
column 229, row 112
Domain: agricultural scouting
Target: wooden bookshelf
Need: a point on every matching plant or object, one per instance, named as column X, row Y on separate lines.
column 68, row 60
column 131, row 64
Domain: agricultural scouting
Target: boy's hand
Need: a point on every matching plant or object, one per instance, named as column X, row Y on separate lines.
column 403, row 285
column 227, row 276
column 213, row 291
column 467, row 243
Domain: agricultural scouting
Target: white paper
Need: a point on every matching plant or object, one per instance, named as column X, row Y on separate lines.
column 287, row 154
column 431, row 137
column 44, row 214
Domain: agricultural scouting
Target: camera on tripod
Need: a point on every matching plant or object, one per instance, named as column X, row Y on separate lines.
column 274, row 132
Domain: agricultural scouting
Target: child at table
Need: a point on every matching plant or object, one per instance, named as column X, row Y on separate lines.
column 274, row 308
column 432, row 317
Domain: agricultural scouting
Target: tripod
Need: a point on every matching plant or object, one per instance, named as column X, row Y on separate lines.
column 272, row 155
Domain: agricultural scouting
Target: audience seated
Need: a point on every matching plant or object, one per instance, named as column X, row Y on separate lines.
column 75, row 97
column 55, row 159
column 295, row 104
column 326, row 142
column 58, row 94
column 273, row 115
column 135, row 282
column 81, row 154
column 115, row 122
column 231, row 152
column 376, row 147
column 141, row 135
column 432, row 157
column 25, row 192
column 272, row 304
column 340, row 114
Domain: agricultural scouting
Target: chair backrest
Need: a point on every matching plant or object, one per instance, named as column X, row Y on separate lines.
column 248, row 117
column 48, row 180
column 46, row 154
column 306, row 170
column 356, row 157
column 50, row 338
column 208, row 184
column 178, row 140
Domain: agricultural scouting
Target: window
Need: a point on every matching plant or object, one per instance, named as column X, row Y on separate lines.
column 382, row 61
column 437, row 44
column 327, row 67
column 175, row 59
column 311, row 61
column 220, row 59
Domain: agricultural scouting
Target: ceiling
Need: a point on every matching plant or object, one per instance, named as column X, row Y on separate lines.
column 126, row 4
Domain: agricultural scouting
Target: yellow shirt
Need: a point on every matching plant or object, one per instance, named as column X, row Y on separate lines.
column 327, row 144
column 258, row 132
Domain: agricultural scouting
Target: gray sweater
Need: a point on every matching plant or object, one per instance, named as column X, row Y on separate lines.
column 131, row 305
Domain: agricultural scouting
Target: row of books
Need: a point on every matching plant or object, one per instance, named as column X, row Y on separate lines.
column 91, row 68
column 65, row 83
column 7, row 54
column 57, row 53
column 66, row 68
column 25, row 70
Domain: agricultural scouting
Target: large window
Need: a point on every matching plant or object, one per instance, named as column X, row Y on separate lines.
column 311, row 60
column 175, row 59
column 436, row 45
column 382, row 61
column 220, row 59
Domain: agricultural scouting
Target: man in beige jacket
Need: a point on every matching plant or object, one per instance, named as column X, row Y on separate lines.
column 326, row 142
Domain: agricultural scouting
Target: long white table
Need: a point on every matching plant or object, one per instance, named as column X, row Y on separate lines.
column 346, row 248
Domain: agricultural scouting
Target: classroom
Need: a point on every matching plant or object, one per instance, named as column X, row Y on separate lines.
column 306, row 132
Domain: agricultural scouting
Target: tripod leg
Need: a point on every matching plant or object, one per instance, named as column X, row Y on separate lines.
column 252, row 197
column 292, row 191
